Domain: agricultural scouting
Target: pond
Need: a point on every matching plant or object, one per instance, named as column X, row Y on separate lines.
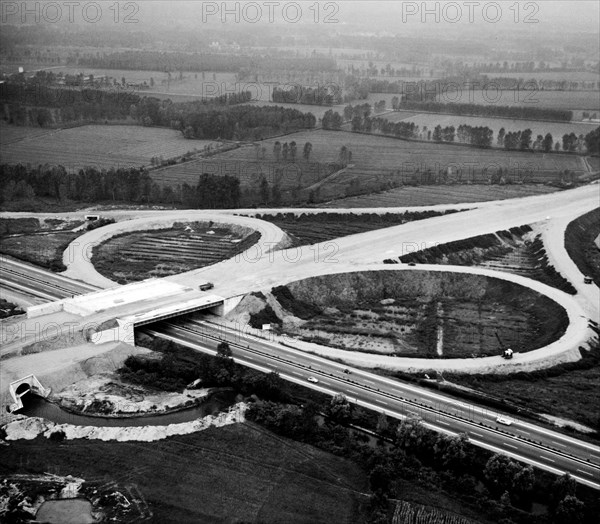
column 65, row 511
column 35, row 406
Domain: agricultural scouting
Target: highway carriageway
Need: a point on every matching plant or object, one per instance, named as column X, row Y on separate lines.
column 39, row 282
column 525, row 442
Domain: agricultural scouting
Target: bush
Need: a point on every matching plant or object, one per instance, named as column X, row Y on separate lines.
column 265, row 316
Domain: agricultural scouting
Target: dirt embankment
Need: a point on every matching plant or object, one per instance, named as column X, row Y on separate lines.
column 412, row 314
column 581, row 241
column 518, row 250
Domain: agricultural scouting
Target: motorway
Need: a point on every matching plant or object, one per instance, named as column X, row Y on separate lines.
column 522, row 440
column 546, row 449
column 39, row 282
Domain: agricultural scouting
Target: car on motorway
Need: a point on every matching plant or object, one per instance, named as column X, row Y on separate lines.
column 347, row 371
column 412, row 264
column 206, row 286
column 313, row 380
column 587, row 280
column 504, row 420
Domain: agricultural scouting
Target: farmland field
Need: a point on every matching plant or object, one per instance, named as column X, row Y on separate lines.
column 569, row 100
column 243, row 164
column 238, row 473
column 377, row 162
column 434, row 195
column 557, row 130
column 11, row 134
column 93, row 145
column 136, row 256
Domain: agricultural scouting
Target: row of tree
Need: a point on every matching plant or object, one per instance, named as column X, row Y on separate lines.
column 181, row 61
column 480, row 136
column 118, row 185
column 322, row 95
column 521, row 112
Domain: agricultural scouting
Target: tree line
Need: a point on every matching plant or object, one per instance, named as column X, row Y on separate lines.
column 219, row 117
column 519, row 112
column 479, row 136
column 322, row 95
column 118, row 185
column 219, row 62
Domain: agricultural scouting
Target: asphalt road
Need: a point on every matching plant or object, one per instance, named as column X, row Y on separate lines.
column 39, row 282
column 522, row 440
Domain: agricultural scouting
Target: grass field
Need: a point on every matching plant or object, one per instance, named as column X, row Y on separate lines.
column 537, row 127
column 239, row 473
column 569, row 100
column 136, row 256
column 434, row 195
column 93, row 145
column 42, row 250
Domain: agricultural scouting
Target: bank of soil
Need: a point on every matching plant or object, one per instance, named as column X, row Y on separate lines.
column 409, row 314
column 132, row 257
column 306, row 229
column 519, row 250
column 582, row 242
column 106, row 395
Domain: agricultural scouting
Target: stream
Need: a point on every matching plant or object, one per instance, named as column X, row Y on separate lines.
column 35, row 406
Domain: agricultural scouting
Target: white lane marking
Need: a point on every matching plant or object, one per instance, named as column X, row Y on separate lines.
column 442, row 422
column 510, row 445
column 546, row 458
column 478, row 434
column 384, row 402
column 558, row 443
column 586, row 472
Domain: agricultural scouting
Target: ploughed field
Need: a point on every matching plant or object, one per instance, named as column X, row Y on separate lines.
column 420, row 314
column 136, row 256
column 442, row 194
column 93, row 145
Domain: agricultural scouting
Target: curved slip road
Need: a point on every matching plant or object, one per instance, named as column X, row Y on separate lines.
column 78, row 255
